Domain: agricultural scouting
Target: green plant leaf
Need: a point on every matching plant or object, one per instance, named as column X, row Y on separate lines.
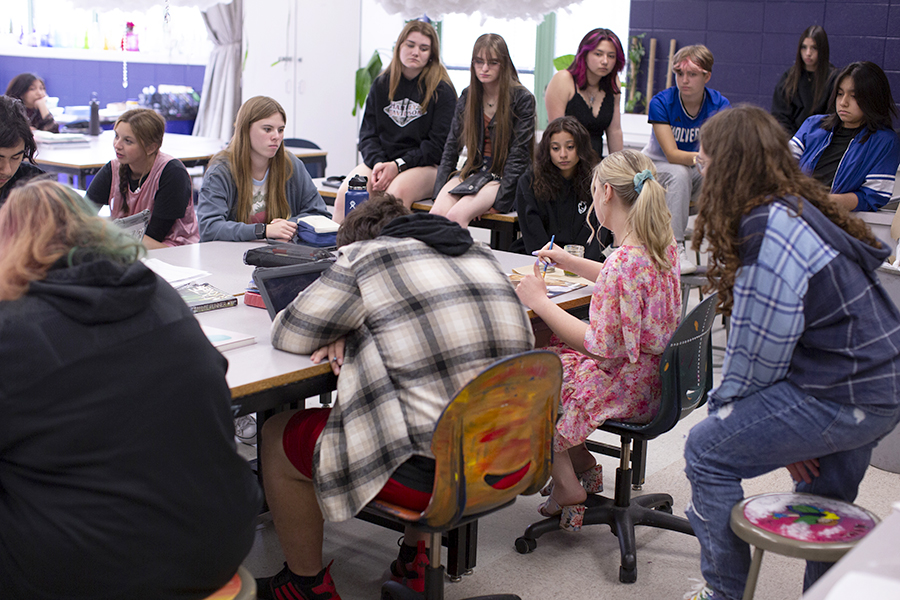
column 364, row 78
column 563, row 62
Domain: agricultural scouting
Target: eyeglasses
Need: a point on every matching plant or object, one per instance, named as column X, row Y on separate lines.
column 479, row 62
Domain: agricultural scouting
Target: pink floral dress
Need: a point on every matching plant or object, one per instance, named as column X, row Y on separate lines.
column 635, row 309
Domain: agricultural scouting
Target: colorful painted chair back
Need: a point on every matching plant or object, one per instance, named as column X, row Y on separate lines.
column 493, row 441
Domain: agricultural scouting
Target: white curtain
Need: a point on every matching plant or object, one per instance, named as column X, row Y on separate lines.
column 221, row 96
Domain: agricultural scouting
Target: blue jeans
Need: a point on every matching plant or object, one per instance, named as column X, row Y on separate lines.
column 765, row 431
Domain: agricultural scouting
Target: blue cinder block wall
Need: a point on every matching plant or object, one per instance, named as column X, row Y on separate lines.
column 755, row 41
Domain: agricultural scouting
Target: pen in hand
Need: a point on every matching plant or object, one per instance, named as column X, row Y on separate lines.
column 547, row 263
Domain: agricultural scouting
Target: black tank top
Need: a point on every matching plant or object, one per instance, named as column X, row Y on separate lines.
column 596, row 126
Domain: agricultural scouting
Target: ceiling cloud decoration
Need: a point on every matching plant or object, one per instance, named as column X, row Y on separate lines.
column 126, row 5
column 500, row 9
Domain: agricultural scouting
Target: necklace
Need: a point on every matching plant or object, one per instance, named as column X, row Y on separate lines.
column 141, row 182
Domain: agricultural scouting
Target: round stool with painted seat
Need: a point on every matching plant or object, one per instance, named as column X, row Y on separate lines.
column 240, row 587
column 798, row 525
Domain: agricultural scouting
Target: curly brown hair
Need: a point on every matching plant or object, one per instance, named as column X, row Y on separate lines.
column 548, row 179
column 750, row 165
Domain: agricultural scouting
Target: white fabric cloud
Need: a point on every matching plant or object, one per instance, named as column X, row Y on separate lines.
column 142, row 4
column 500, row 9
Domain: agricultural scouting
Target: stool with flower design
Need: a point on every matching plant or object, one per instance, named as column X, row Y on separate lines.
column 798, row 525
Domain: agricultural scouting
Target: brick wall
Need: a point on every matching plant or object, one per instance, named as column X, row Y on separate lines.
column 755, row 41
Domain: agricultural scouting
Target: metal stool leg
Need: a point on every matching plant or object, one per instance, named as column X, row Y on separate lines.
column 753, row 574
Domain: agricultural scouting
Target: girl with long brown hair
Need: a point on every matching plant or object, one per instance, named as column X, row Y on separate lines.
column 804, row 89
column 611, row 364
column 494, row 122
column 254, row 186
column 406, row 121
column 143, row 177
column 812, row 366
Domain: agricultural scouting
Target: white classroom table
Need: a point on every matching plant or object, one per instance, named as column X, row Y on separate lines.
column 257, row 371
column 82, row 160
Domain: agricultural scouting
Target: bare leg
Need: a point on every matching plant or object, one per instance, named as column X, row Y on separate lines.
column 567, row 489
column 581, row 458
column 474, row 205
column 292, row 500
column 413, row 185
column 360, row 169
column 445, row 200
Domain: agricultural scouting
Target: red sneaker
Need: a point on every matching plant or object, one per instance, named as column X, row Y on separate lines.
column 284, row 586
column 412, row 574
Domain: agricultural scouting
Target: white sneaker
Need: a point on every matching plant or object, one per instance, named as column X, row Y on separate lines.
column 687, row 267
column 245, row 429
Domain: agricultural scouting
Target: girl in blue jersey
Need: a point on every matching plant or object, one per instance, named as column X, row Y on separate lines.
column 853, row 150
column 676, row 115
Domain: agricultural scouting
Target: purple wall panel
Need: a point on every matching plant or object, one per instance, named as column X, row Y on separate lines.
column 736, row 16
column 74, row 80
column 754, row 41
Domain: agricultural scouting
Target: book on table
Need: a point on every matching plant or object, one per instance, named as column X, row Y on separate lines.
column 223, row 339
column 201, row 297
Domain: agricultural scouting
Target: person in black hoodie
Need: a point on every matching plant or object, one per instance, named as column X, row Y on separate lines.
column 554, row 196
column 406, row 120
column 17, row 147
column 118, row 469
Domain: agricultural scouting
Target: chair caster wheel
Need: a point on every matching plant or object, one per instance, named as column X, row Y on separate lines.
column 627, row 575
column 525, row 545
column 454, row 578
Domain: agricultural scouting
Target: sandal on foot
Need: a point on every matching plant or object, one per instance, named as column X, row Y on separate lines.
column 591, row 480
column 571, row 517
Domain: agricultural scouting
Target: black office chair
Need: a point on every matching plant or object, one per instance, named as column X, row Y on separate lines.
column 491, row 444
column 316, row 166
column 686, row 374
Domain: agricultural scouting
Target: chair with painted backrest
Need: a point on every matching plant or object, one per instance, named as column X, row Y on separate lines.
column 492, row 443
column 315, row 168
column 686, row 374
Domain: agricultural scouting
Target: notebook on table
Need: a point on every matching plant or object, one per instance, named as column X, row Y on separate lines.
column 278, row 286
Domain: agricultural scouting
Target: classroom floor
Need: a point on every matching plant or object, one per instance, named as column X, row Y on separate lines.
column 575, row 566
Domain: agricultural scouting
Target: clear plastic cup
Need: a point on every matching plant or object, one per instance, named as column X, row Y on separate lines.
column 575, row 250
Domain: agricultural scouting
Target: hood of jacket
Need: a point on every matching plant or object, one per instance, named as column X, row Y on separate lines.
column 867, row 257
column 96, row 289
column 440, row 233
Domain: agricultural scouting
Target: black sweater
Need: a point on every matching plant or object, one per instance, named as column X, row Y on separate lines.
column 398, row 129
column 117, row 462
column 792, row 114
column 562, row 217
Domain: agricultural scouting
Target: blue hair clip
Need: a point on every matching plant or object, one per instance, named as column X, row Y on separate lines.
column 640, row 178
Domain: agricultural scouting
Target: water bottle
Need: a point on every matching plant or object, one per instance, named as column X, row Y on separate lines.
column 356, row 193
column 95, row 115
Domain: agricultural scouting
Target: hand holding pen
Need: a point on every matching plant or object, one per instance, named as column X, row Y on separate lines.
column 547, row 262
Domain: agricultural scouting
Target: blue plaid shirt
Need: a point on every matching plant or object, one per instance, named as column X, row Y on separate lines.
column 808, row 307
